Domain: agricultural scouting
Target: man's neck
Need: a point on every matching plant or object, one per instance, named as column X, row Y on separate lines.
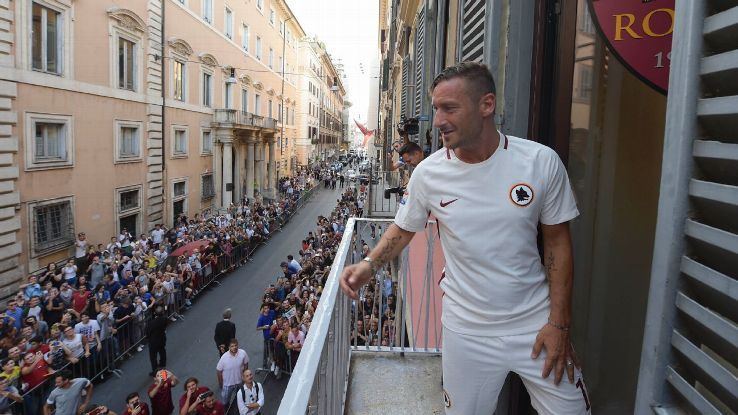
column 249, row 384
column 482, row 150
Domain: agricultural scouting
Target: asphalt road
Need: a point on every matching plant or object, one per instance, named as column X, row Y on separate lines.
column 190, row 347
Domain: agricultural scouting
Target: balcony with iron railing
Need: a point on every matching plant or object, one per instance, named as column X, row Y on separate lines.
column 400, row 371
column 242, row 119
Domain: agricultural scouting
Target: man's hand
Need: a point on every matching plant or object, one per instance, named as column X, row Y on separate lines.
column 559, row 353
column 354, row 277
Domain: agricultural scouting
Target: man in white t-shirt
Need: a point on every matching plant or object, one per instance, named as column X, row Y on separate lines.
column 157, row 235
column 230, row 368
column 503, row 310
column 80, row 252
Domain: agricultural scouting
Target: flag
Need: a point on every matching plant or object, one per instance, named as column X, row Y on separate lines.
column 365, row 131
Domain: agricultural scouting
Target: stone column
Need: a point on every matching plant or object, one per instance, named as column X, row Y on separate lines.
column 227, row 171
column 250, row 167
column 259, row 165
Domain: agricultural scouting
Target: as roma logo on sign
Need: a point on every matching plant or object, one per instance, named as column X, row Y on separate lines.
column 639, row 33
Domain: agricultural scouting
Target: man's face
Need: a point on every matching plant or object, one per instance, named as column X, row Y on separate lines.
column 247, row 376
column 192, row 387
column 459, row 112
column 134, row 402
column 233, row 348
column 69, row 333
column 60, row 382
column 413, row 158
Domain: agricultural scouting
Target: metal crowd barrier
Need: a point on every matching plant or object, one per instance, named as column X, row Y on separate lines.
column 129, row 335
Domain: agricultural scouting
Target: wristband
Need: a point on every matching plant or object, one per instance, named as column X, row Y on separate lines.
column 558, row 326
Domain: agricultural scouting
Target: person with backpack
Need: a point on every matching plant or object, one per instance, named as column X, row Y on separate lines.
column 250, row 395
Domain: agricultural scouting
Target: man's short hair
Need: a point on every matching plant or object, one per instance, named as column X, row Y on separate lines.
column 64, row 374
column 478, row 75
column 233, row 341
column 409, row 147
column 131, row 396
column 227, row 313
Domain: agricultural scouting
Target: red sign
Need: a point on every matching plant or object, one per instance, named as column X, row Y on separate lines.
column 639, row 33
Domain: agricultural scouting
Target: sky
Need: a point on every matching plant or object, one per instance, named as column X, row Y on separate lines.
column 349, row 29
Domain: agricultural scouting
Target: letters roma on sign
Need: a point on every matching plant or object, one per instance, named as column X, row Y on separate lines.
column 639, row 33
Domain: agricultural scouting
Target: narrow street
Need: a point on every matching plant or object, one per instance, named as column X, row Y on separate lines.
column 190, row 347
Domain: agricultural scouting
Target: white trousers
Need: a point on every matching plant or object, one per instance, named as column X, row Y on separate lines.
column 475, row 368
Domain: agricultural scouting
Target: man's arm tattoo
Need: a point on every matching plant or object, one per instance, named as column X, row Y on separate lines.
column 550, row 264
column 386, row 254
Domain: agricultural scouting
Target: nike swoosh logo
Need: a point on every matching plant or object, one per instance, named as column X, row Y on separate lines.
column 448, row 203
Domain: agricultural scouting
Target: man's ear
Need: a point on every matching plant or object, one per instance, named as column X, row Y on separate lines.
column 487, row 104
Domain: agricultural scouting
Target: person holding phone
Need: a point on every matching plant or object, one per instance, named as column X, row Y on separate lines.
column 191, row 399
column 160, row 392
column 134, row 405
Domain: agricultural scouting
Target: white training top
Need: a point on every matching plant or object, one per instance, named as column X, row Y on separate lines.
column 488, row 214
column 232, row 366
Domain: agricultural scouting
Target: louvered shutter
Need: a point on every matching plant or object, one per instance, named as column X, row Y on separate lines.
column 690, row 348
column 406, row 63
column 472, row 30
column 419, row 60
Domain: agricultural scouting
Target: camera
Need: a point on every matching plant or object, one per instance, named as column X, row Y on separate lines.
column 408, row 125
column 204, row 395
column 392, row 190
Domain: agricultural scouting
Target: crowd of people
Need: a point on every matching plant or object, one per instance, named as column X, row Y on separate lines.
column 82, row 319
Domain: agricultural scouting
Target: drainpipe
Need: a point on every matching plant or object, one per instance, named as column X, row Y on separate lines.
column 163, row 114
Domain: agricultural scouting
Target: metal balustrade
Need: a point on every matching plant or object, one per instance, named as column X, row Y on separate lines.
column 341, row 369
column 237, row 117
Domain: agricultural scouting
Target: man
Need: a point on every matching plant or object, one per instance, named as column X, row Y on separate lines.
column 292, row 265
column 8, row 395
column 250, row 396
column 411, row 154
column 80, row 252
column 495, row 286
column 96, row 271
column 156, row 331
column 264, row 324
column 134, row 406
column 65, row 398
column 229, row 369
column 157, row 235
column 160, row 392
column 190, row 400
column 225, row 330
column 210, row 406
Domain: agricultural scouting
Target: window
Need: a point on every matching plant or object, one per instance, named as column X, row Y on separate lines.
column 245, row 38
column 271, row 17
column 129, row 208
column 178, row 78
column 279, row 114
column 127, row 64
column 260, row 5
column 281, row 27
column 207, row 142
column 245, row 100
column 48, row 141
column 207, row 89
column 208, row 187
column 229, row 23
column 586, row 24
column 128, row 200
column 180, row 142
column 271, row 58
column 258, row 48
column 257, row 104
column 128, row 141
column 269, row 108
column 47, row 39
column 228, row 95
column 207, row 11
column 585, row 82
column 52, row 224
column 179, row 198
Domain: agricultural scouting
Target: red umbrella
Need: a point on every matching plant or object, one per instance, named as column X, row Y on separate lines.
column 199, row 245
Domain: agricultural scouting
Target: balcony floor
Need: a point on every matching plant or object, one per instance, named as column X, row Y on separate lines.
column 385, row 383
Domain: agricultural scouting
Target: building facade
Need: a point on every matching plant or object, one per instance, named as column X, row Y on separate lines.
column 127, row 117
column 322, row 94
column 655, row 259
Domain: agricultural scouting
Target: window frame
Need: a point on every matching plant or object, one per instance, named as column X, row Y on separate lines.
column 123, row 213
column 118, row 125
column 244, row 99
column 204, row 151
column 185, row 130
column 258, row 48
column 260, row 6
column 179, row 198
column 208, row 15
column 31, row 163
column 36, row 250
column 208, row 103
column 176, row 59
column 228, row 94
column 61, row 38
column 245, row 37
column 272, row 16
column 270, row 60
column 228, row 31
column 257, row 104
column 203, row 195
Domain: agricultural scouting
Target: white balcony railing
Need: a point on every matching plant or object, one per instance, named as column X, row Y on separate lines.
column 243, row 118
column 334, row 374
